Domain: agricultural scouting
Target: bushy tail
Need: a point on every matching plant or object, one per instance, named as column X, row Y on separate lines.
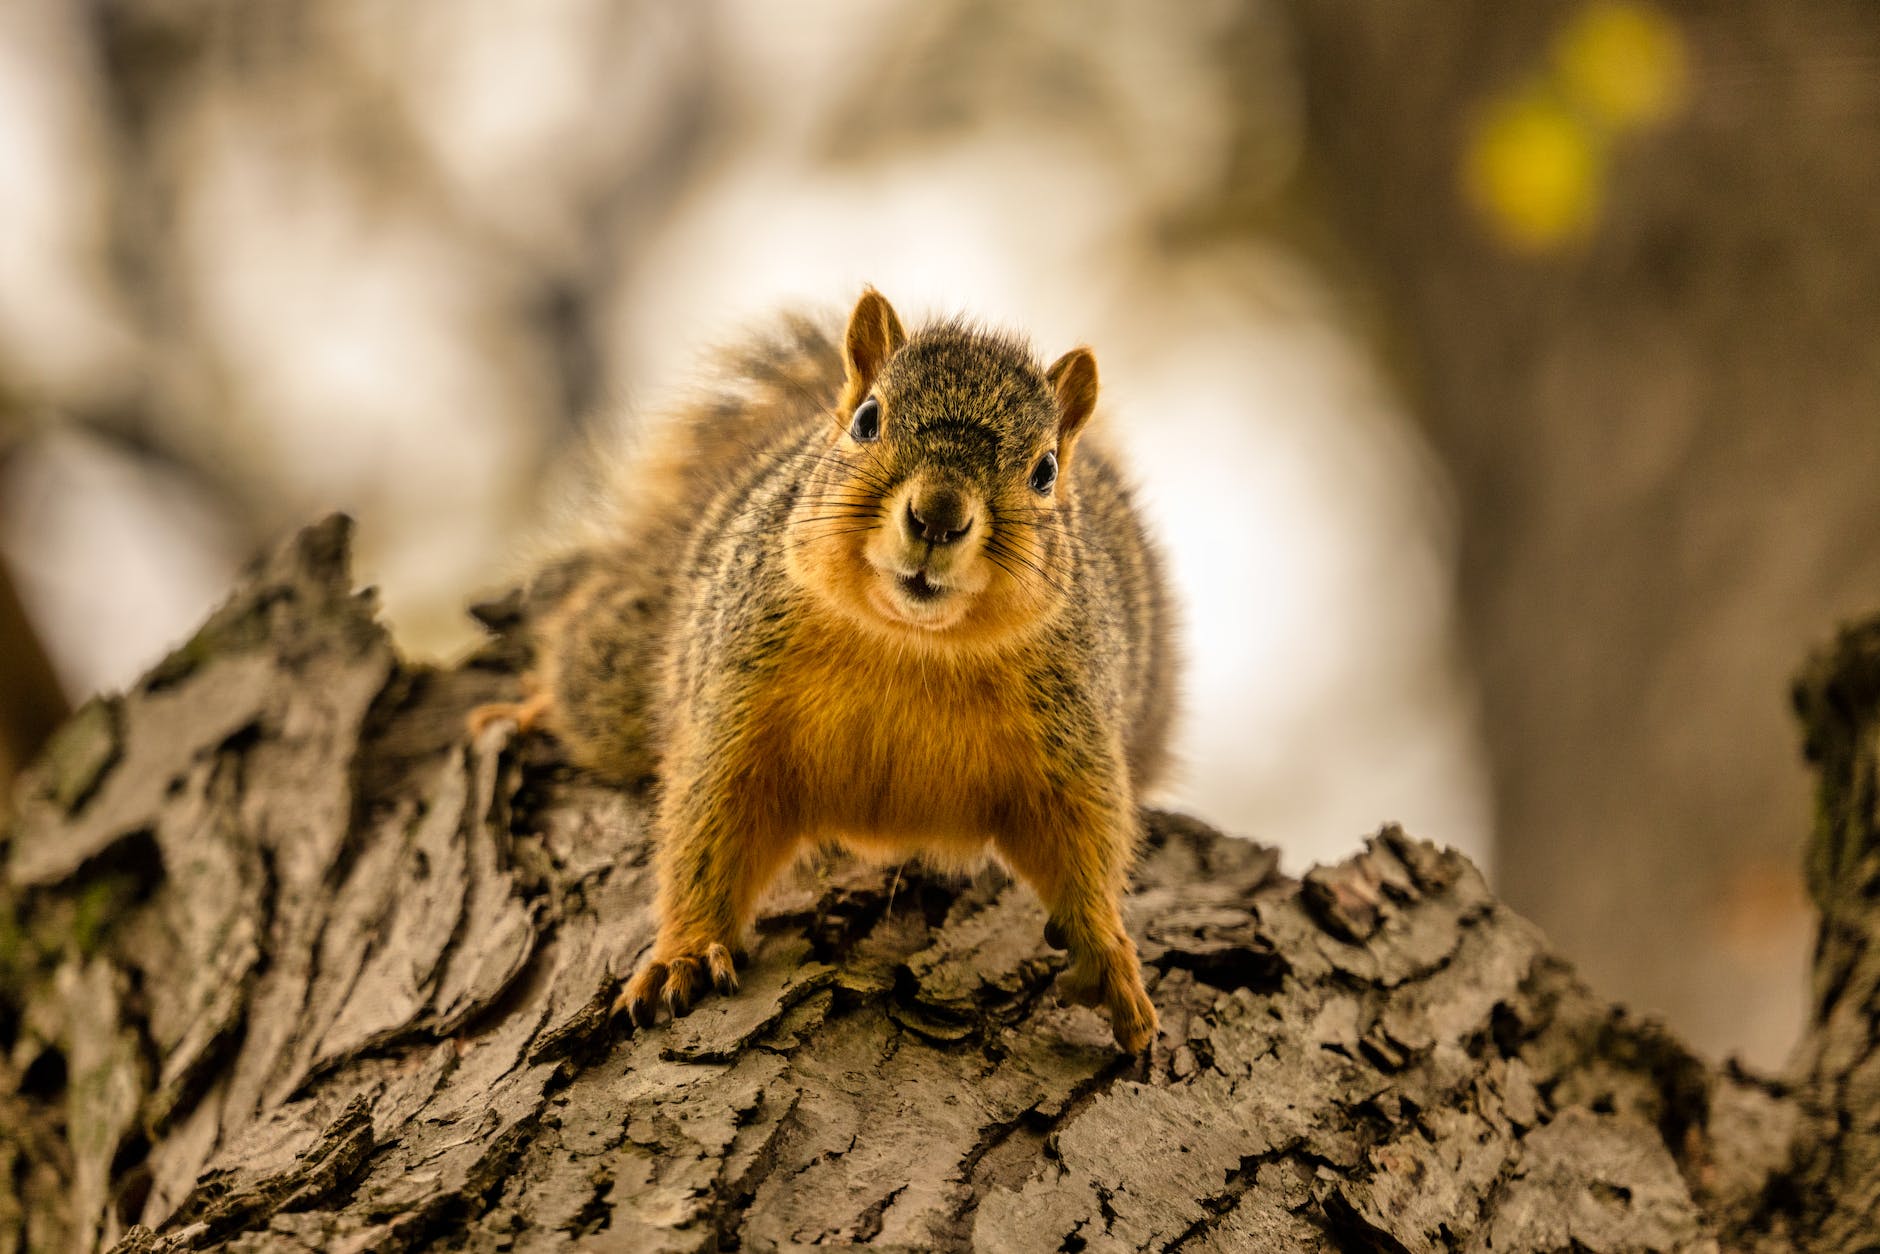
column 756, row 392
column 601, row 605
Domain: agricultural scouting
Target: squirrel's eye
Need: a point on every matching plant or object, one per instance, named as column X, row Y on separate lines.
column 1044, row 474
column 866, row 425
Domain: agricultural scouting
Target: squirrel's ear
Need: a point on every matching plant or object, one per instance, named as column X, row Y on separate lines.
column 1074, row 378
column 873, row 335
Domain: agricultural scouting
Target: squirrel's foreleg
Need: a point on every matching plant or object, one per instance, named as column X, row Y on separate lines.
column 1076, row 857
column 718, row 852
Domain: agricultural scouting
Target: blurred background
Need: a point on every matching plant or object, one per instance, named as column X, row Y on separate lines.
column 1501, row 378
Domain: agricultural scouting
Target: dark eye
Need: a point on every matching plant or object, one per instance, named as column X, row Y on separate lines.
column 866, row 425
column 1044, row 474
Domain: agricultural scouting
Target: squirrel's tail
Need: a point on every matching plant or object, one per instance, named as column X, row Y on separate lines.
column 600, row 609
column 755, row 393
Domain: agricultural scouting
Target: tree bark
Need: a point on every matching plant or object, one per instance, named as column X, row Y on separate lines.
column 288, row 964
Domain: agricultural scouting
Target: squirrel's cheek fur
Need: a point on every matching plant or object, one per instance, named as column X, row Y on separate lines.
column 986, row 592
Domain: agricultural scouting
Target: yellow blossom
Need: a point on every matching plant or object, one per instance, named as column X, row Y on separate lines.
column 1534, row 168
column 1622, row 62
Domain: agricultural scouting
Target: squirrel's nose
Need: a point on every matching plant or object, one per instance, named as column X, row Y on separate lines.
column 938, row 517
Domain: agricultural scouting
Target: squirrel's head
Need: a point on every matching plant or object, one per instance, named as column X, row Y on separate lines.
column 942, row 508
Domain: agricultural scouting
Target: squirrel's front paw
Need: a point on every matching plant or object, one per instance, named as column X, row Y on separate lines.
column 1132, row 1015
column 1115, row 983
column 675, row 979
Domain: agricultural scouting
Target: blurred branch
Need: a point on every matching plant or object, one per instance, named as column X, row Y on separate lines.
column 34, row 703
column 620, row 210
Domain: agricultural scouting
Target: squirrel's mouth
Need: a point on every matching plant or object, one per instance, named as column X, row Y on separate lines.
column 906, row 590
column 918, row 588
column 915, row 599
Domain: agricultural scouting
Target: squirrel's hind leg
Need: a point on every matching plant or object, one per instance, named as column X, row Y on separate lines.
column 526, row 714
column 592, row 677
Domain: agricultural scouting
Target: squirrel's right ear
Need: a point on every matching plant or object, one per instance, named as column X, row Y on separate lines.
column 873, row 335
column 1073, row 377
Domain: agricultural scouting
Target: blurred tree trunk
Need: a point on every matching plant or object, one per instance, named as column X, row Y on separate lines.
column 287, row 965
column 31, row 702
column 1663, row 441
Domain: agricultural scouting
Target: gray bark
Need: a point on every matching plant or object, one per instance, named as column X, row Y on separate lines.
column 288, row 964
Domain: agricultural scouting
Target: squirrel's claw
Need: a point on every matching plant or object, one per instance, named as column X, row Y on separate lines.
column 676, row 984
column 640, row 1001
column 680, row 988
column 720, row 961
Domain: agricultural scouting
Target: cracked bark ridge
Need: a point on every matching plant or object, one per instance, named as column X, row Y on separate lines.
column 1835, row 1179
column 287, row 964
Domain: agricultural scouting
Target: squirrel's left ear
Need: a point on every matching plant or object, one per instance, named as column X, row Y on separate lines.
column 873, row 335
column 1074, row 378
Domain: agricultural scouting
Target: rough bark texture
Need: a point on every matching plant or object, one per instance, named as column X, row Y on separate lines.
column 290, row 965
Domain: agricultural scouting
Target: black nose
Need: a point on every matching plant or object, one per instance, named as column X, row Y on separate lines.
column 938, row 517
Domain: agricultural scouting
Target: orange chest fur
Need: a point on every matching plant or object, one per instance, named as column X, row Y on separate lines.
column 884, row 743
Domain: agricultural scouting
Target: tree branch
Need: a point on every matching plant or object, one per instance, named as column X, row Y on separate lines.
column 289, row 965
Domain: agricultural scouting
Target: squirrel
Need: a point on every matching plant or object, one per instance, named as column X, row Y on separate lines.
column 892, row 595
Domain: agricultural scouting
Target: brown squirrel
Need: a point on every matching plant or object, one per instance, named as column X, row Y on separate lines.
column 891, row 596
